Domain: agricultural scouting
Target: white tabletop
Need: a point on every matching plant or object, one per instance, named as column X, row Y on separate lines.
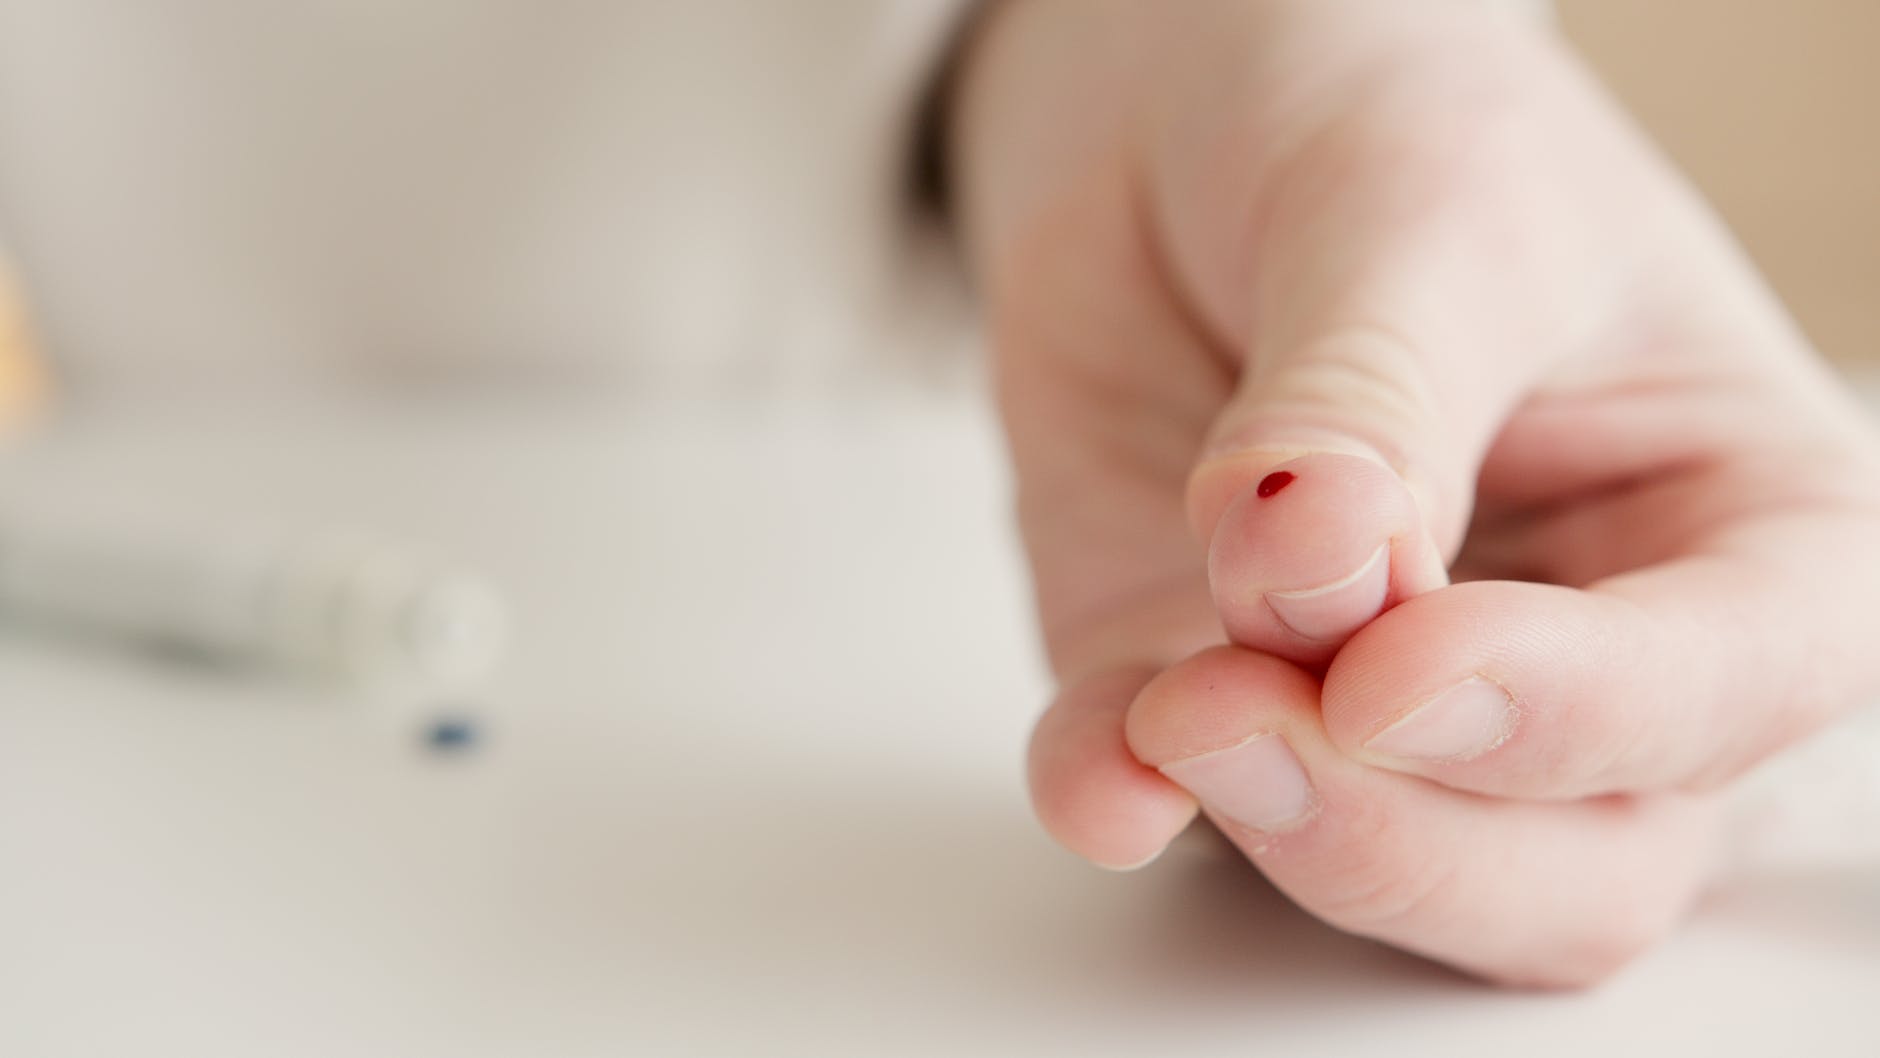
column 752, row 787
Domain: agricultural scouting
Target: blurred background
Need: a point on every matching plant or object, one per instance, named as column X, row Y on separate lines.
column 1769, row 107
column 187, row 189
column 572, row 197
column 747, row 779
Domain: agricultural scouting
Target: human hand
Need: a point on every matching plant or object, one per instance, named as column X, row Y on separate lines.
column 1409, row 255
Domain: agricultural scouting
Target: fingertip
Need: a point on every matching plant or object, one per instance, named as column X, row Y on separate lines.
column 1089, row 791
column 1214, row 700
column 1314, row 548
column 1544, row 692
column 1216, row 482
column 1222, row 725
column 1406, row 658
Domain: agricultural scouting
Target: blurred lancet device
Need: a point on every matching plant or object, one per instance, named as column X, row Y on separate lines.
column 335, row 605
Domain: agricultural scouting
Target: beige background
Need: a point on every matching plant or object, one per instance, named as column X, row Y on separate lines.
column 1769, row 106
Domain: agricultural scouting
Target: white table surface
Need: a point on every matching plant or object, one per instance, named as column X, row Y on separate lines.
column 753, row 787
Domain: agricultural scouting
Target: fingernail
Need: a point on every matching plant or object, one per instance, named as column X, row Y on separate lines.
column 1127, row 868
column 1461, row 723
column 1339, row 607
column 1259, row 783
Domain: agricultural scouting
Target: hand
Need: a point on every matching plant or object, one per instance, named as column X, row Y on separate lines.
column 1411, row 257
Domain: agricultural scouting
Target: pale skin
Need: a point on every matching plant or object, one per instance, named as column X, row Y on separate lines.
column 1552, row 441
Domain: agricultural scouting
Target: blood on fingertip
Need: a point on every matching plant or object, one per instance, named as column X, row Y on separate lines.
column 1273, row 482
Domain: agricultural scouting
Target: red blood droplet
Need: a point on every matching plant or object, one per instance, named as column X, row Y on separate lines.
column 1274, row 482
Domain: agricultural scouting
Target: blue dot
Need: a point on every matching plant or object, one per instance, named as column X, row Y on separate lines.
column 452, row 734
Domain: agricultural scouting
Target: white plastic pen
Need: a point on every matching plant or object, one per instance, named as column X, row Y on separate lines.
column 337, row 604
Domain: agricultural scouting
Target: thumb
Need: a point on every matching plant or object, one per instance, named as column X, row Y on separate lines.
column 1331, row 489
column 1362, row 392
column 1436, row 245
column 1335, row 484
